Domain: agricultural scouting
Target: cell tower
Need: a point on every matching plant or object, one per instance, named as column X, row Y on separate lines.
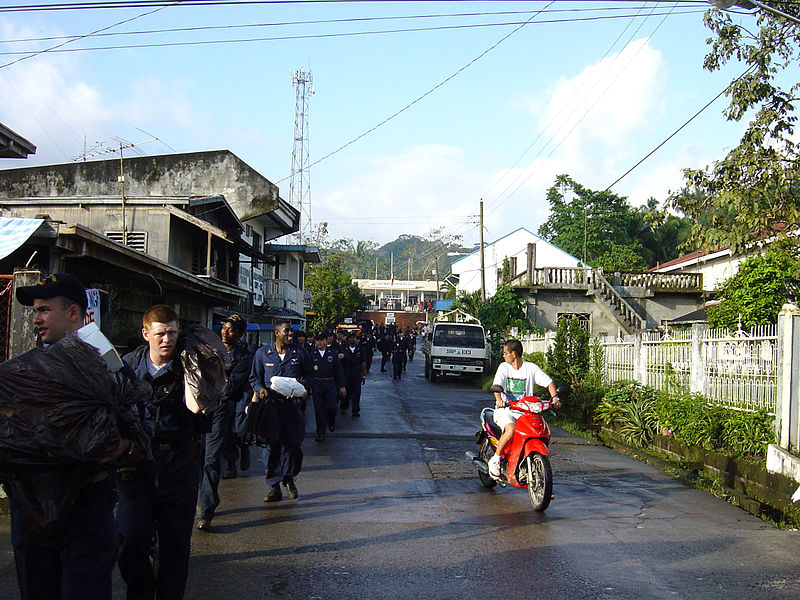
column 300, row 178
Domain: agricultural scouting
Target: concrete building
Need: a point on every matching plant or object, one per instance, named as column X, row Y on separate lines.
column 205, row 214
column 466, row 271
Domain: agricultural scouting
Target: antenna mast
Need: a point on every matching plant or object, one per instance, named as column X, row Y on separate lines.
column 300, row 178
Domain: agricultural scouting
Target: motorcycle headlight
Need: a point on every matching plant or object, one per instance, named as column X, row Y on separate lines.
column 535, row 407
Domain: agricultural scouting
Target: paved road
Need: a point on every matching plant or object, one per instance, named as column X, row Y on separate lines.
column 389, row 508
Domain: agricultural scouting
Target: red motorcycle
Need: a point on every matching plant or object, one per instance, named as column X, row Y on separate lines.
column 527, row 462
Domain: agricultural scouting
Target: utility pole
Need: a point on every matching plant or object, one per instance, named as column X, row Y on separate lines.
column 483, row 259
column 121, row 180
column 300, row 177
column 437, row 277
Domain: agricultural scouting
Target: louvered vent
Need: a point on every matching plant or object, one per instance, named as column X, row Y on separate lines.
column 136, row 239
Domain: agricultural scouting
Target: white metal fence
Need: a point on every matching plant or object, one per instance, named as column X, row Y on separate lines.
column 735, row 368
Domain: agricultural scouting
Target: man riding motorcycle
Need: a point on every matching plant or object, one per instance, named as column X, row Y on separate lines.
column 517, row 378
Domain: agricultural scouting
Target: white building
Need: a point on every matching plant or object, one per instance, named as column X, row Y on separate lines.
column 387, row 294
column 513, row 246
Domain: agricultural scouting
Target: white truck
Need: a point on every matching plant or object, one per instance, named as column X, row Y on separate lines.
column 456, row 348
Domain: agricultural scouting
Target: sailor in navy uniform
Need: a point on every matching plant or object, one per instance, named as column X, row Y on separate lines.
column 283, row 457
column 326, row 377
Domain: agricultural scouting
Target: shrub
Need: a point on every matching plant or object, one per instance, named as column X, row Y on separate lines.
column 568, row 358
column 693, row 421
column 631, row 408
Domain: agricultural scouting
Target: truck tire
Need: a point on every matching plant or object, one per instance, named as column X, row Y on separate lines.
column 427, row 368
column 434, row 375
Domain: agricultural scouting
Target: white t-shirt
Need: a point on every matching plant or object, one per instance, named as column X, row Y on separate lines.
column 519, row 382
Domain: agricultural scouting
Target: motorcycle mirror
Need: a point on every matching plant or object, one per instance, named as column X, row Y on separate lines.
column 496, row 389
column 562, row 390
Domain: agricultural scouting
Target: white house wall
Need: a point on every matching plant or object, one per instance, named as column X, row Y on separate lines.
column 514, row 244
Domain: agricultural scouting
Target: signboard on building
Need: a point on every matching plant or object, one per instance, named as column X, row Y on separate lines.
column 258, row 288
column 92, row 307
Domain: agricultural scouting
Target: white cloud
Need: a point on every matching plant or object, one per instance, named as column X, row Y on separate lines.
column 410, row 192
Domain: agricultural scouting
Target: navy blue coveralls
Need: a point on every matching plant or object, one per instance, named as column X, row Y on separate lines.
column 217, row 440
column 368, row 349
column 399, row 349
column 235, row 448
column 157, row 500
column 283, row 457
column 324, row 373
column 353, row 376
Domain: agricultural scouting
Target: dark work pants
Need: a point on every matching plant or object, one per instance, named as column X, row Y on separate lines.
column 325, row 396
column 369, row 361
column 156, row 524
column 397, row 365
column 75, row 563
column 283, row 456
column 352, row 382
column 385, row 359
column 214, row 443
column 235, row 448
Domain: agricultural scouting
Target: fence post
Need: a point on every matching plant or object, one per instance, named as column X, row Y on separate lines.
column 697, row 375
column 787, row 404
column 639, row 358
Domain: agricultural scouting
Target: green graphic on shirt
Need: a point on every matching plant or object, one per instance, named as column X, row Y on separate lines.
column 515, row 387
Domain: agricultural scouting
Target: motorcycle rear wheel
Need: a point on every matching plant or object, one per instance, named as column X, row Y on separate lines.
column 486, row 453
column 540, row 480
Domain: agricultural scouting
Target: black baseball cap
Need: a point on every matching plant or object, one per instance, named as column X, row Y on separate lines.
column 57, row 284
column 238, row 322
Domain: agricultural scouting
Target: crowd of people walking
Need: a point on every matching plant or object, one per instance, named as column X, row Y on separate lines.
column 138, row 504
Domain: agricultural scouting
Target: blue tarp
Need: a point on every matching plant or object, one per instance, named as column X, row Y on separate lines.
column 444, row 305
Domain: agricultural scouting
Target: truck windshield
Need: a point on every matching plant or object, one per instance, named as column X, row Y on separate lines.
column 459, row 336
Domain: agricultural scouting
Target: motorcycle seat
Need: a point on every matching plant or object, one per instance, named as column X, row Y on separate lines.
column 492, row 425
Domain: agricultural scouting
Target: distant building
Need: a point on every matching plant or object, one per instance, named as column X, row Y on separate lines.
column 400, row 295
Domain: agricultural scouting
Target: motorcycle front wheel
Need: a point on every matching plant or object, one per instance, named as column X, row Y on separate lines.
column 540, row 480
column 486, row 453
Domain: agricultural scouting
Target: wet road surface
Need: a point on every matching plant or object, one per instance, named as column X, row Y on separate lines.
column 390, row 508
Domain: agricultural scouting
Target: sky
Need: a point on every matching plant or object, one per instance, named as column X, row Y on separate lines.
column 499, row 99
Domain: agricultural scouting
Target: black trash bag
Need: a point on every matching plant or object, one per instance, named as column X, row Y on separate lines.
column 204, row 359
column 260, row 424
column 60, row 411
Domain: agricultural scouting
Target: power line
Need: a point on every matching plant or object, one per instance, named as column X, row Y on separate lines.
column 674, row 133
column 58, row 49
column 497, row 204
column 312, row 22
column 113, row 4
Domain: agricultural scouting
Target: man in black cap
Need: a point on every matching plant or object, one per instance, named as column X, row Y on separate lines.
column 77, row 560
column 218, row 439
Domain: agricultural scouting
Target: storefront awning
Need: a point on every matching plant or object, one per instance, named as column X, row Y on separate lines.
column 14, row 232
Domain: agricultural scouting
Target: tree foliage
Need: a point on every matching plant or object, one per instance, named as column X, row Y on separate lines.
column 335, row 296
column 406, row 257
column 602, row 228
column 506, row 309
column 568, row 358
column 757, row 185
column 758, row 291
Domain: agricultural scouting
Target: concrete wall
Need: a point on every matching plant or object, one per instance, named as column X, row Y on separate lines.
column 189, row 174
column 102, row 218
